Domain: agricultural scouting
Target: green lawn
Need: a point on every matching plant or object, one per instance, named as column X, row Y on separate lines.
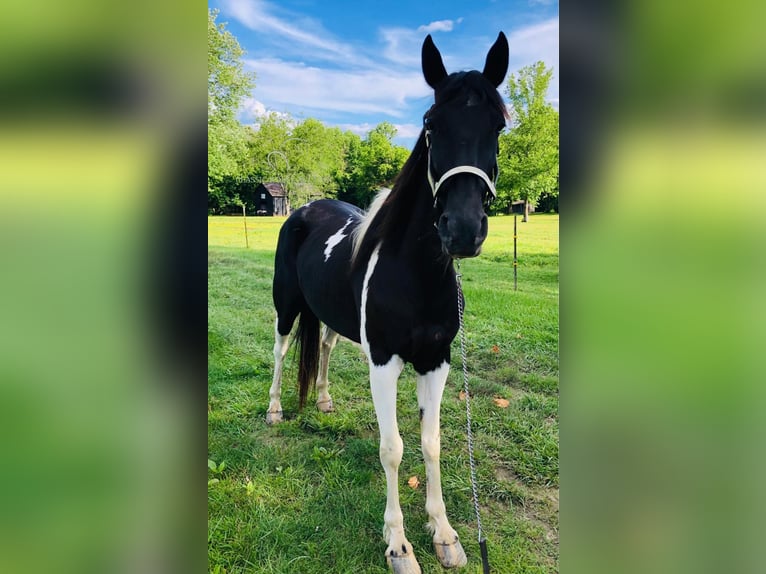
column 307, row 496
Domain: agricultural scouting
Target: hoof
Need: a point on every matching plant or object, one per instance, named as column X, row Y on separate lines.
column 451, row 555
column 326, row 406
column 403, row 564
column 273, row 418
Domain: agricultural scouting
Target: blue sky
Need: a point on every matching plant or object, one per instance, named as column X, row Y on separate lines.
column 354, row 64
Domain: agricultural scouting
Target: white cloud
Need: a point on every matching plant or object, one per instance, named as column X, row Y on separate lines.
column 408, row 130
column 349, row 91
column 537, row 42
column 303, row 68
column 440, row 26
column 254, row 110
column 402, row 45
column 291, row 31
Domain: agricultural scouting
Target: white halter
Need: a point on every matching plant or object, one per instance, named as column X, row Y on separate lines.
column 435, row 185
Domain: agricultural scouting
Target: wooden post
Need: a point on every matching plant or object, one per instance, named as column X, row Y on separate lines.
column 244, row 217
column 515, row 264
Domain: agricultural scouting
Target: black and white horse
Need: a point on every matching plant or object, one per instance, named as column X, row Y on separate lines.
column 386, row 279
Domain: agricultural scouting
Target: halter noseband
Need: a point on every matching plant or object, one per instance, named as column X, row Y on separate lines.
column 435, row 185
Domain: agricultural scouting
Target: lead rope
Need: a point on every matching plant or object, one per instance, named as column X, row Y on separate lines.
column 471, row 463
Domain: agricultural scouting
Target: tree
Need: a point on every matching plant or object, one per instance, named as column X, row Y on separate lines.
column 317, row 155
column 372, row 163
column 306, row 157
column 227, row 157
column 529, row 152
column 227, row 82
column 227, row 85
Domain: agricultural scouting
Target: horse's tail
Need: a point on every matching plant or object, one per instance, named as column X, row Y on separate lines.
column 307, row 341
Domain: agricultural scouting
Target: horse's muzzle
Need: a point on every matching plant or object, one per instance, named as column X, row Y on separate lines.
column 462, row 237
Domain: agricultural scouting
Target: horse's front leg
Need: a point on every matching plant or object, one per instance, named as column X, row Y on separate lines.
column 446, row 544
column 383, row 380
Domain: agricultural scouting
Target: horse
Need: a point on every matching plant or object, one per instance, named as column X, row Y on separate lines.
column 386, row 280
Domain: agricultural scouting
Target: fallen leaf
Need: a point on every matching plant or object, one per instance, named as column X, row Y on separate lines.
column 413, row 482
column 461, row 395
column 495, row 349
column 518, row 335
column 501, row 402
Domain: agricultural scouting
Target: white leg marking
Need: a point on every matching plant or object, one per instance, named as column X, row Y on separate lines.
column 383, row 387
column 329, row 339
column 430, row 390
column 333, row 240
column 383, row 379
column 281, row 342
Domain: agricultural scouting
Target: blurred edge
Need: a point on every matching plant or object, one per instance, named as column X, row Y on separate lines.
column 102, row 339
column 663, row 315
column 662, row 287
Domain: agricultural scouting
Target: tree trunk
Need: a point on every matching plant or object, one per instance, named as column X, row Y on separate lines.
column 526, row 211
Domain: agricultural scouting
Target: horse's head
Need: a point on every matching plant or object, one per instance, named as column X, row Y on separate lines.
column 461, row 131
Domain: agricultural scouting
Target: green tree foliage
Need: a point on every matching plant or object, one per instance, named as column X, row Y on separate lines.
column 226, row 157
column 227, row 85
column 227, row 82
column 372, row 163
column 305, row 157
column 529, row 151
column 317, row 155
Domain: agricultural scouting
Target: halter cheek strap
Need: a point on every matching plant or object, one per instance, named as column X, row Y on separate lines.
column 435, row 185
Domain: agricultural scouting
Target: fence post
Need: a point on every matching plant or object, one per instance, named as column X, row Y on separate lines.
column 515, row 264
column 244, row 217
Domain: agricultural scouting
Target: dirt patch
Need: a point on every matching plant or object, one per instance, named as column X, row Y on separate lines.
column 550, row 533
column 506, row 475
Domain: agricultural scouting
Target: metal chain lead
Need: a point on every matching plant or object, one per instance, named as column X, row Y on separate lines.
column 471, row 462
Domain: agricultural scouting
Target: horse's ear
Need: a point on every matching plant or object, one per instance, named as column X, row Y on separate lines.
column 433, row 67
column 496, row 65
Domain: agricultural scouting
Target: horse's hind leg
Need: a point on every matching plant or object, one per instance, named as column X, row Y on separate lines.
column 281, row 342
column 288, row 302
column 324, row 400
column 430, row 388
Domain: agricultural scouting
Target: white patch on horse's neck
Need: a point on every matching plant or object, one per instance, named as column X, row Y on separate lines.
column 357, row 235
column 363, row 311
column 333, row 240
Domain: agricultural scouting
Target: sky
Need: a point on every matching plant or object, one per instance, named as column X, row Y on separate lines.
column 354, row 63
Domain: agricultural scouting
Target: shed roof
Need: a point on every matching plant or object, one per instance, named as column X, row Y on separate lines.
column 275, row 189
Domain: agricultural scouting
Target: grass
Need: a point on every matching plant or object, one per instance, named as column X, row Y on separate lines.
column 307, row 496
